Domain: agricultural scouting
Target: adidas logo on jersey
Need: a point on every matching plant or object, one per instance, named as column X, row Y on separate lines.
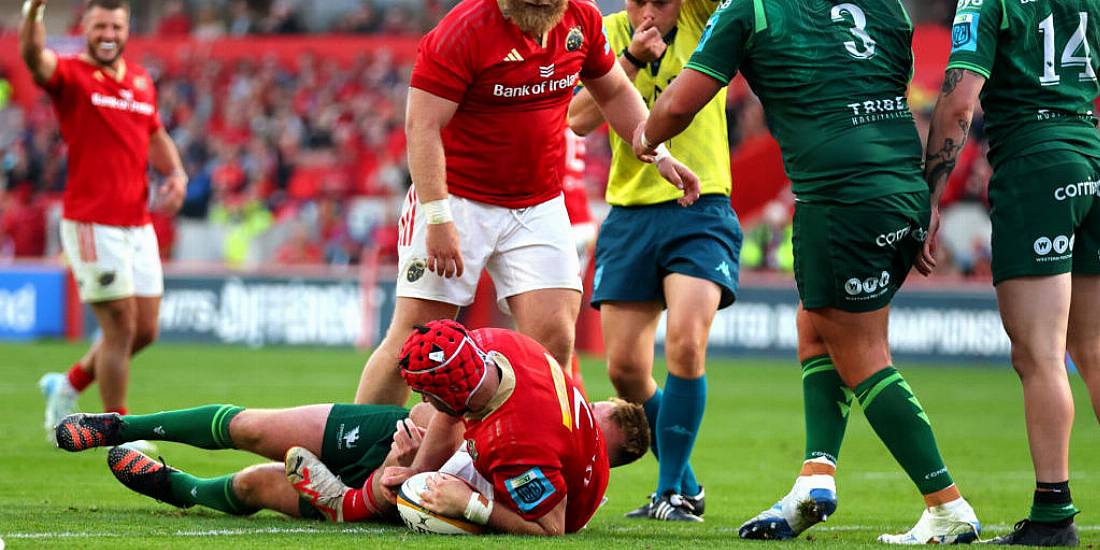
column 513, row 56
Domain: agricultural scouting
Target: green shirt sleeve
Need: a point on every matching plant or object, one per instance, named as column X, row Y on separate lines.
column 724, row 44
column 974, row 35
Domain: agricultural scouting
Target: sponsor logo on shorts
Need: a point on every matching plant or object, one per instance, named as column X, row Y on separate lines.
column 869, row 288
column 105, row 279
column 1061, row 247
column 724, row 269
column 415, row 270
column 889, row 239
column 351, row 438
column 1074, row 190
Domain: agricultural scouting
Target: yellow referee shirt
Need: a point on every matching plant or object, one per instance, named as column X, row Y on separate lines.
column 703, row 147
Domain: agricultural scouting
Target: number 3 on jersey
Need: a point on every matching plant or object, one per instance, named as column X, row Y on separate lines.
column 865, row 49
column 1077, row 44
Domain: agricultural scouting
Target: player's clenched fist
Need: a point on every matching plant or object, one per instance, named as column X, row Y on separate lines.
column 647, row 44
column 171, row 193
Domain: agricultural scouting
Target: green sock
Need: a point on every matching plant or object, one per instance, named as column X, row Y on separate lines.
column 205, row 427
column 826, row 402
column 900, row 422
column 216, row 493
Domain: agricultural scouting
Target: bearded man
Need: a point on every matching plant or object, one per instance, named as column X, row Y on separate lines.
column 107, row 109
column 486, row 124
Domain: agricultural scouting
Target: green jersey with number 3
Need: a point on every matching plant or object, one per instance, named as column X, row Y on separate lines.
column 1041, row 61
column 832, row 77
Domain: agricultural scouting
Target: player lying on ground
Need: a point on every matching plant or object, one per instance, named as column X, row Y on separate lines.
column 536, row 456
column 355, row 441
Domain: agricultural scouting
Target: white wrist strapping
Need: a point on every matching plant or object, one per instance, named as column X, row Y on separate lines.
column 645, row 142
column 438, row 211
column 662, row 153
column 39, row 15
column 476, row 511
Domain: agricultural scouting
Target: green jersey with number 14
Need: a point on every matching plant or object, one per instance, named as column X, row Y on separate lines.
column 833, row 78
column 1041, row 61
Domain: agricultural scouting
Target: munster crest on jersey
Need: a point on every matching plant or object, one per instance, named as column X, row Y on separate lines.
column 574, row 40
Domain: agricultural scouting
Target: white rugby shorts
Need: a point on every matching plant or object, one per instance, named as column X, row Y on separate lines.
column 112, row 262
column 523, row 249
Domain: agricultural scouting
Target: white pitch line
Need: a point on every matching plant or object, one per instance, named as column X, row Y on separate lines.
column 205, row 533
column 997, row 527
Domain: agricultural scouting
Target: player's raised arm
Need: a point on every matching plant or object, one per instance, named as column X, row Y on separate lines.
column 427, row 115
column 32, row 42
column 946, row 138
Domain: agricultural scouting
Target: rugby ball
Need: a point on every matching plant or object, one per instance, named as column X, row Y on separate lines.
column 420, row 520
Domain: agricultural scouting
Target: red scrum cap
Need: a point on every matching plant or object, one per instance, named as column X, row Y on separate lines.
column 441, row 360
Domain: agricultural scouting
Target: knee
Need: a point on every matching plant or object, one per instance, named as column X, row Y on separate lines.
column 248, row 484
column 629, row 377
column 245, row 431
column 686, row 353
column 145, row 335
column 1032, row 360
column 558, row 340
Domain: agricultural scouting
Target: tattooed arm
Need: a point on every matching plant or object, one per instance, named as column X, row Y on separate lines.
column 946, row 138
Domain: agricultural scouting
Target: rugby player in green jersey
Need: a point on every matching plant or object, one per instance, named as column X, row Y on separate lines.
column 652, row 254
column 832, row 77
column 1032, row 64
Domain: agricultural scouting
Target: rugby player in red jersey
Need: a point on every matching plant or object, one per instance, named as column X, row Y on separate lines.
column 536, row 455
column 107, row 110
column 486, row 132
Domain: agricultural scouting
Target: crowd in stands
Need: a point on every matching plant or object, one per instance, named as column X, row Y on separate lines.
column 303, row 163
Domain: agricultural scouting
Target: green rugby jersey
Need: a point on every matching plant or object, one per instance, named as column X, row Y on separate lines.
column 1040, row 59
column 832, row 77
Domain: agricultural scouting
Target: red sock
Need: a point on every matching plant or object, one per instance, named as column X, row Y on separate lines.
column 121, row 410
column 80, row 378
column 359, row 503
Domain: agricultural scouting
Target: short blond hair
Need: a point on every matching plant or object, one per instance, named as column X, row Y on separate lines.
column 631, row 420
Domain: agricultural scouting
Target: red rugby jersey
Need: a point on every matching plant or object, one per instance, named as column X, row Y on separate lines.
column 106, row 124
column 541, row 443
column 505, row 144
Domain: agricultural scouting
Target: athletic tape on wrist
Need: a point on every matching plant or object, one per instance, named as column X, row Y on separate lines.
column 645, row 142
column 476, row 511
column 662, row 153
column 28, row 7
column 438, row 211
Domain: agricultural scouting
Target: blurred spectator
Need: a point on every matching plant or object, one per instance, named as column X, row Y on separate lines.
column 174, row 20
column 22, row 224
column 300, row 248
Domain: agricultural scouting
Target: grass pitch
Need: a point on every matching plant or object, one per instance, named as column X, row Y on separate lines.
column 747, row 455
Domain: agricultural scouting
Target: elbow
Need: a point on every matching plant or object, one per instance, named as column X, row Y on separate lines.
column 578, row 126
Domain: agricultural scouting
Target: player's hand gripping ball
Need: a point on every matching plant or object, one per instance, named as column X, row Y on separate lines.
column 419, row 519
